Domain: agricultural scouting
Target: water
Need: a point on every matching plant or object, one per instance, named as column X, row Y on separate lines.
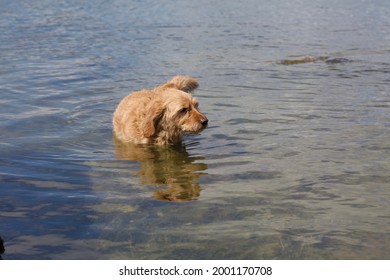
column 295, row 162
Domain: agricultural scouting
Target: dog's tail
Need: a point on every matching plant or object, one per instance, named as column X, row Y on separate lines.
column 184, row 83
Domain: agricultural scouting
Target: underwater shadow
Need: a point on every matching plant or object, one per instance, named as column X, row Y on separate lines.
column 171, row 167
column 2, row 248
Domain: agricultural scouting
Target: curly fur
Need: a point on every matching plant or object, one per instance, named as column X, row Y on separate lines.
column 161, row 115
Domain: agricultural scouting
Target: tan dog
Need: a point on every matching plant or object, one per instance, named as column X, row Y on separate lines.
column 161, row 115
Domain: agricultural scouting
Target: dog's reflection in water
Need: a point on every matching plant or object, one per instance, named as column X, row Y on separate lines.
column 167, row 166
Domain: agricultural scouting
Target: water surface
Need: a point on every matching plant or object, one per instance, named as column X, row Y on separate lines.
column 294, row 164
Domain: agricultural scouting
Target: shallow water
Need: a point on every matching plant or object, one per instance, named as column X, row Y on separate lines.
column 294, row 164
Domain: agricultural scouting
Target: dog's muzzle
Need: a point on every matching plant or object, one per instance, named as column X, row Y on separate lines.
column 204, row 121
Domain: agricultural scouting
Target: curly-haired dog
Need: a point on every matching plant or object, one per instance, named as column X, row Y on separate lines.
column 161, row 115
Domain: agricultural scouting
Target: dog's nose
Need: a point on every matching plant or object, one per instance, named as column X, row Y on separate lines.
column 204, row 121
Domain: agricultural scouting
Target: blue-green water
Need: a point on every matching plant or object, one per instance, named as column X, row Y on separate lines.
column 295, row 162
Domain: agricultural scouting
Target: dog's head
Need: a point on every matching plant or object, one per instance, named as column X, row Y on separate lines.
column 174, row 110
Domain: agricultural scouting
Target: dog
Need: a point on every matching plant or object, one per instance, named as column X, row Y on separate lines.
column 159, row 116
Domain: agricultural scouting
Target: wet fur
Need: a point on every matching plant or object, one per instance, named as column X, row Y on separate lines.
column 161, row 115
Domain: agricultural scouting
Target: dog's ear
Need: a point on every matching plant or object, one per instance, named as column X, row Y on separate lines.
column 184, row 83
column 154, row 113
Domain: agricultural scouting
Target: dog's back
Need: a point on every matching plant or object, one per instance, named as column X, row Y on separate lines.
column 128, row 113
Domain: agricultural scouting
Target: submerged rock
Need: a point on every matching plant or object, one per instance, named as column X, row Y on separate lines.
column 337, row 60
column 308, row 59
column 302, row 59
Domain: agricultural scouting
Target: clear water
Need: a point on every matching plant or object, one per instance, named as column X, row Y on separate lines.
column 294, row 165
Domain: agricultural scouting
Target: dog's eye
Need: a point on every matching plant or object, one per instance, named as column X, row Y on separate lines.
column 183, row 111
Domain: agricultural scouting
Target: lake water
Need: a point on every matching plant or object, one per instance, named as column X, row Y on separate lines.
column 295, row 162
